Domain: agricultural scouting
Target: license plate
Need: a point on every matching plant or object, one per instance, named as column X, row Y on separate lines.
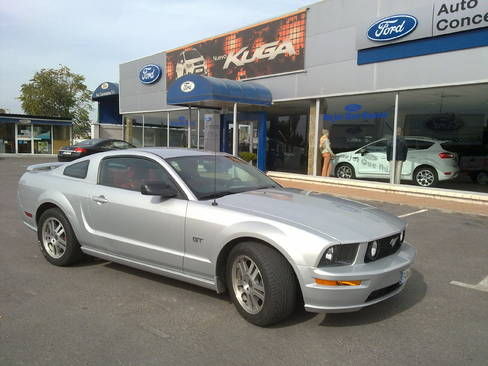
column 404, row 275
column 66, row 152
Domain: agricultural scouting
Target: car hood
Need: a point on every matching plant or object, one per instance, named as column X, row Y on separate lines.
column 338, row 219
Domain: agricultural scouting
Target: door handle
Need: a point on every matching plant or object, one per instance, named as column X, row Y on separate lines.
column 100, row 199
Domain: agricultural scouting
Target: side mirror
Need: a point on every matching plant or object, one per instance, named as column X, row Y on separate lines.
column 158, row 189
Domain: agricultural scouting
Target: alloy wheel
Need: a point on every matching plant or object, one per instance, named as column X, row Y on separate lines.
column 344, row 171
column 425, row 178
column 54, row 238
column 248, row 284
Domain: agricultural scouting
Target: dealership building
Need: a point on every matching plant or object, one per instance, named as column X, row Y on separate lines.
column 362, row 70
column 39, row 135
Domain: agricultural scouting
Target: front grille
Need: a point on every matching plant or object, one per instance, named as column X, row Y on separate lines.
column 385, row 247
column 198, row 63
column 382, row 292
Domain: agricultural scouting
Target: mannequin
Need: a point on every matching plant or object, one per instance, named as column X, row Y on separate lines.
column 327, row 153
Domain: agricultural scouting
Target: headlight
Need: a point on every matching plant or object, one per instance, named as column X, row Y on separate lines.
column 372, row 251
column 339, row 255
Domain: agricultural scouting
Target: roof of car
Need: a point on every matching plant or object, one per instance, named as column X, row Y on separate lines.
column 174, row 152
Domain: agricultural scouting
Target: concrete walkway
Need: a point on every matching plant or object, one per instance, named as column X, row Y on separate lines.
column 443, row 199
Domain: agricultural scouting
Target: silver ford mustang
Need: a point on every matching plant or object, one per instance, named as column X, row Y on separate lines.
column 215, row 221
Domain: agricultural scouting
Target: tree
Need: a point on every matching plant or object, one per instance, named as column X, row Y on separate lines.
column 59, row 93
column 2, row 110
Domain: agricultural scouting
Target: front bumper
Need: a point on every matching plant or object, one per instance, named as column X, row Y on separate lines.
column 380, row 280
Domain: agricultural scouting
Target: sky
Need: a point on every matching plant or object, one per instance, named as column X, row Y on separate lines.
column 92, row 37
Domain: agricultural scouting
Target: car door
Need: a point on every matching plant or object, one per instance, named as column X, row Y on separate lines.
column 373, row 161
column 137, row 226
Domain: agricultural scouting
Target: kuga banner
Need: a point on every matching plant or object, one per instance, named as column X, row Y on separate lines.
column 272, row 47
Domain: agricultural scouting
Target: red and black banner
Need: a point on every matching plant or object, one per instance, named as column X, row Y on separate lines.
column 272, row 47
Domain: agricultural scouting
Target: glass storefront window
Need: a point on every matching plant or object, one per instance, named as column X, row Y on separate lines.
column 61, row 137
column 155, row 133
column 7, row 138
column 42, row 139
column 360, row 128
column 287, row 145
column 24, row 139
column 178, row 128
column 133, row 129
column 454, row 122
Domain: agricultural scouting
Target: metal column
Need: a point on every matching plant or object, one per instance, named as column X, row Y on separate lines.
column 316, row 137
column 234, row 132
column 189, row 128
column 394, row 137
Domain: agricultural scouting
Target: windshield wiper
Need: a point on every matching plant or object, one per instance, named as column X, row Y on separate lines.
column 217, row 194
column 226, row 193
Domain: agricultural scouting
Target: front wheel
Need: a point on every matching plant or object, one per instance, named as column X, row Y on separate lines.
column 58, row 241
column 425, row 176
column 345, row 171
column 261, row 283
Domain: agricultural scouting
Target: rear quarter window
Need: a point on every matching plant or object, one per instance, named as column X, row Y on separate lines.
column 77, row 170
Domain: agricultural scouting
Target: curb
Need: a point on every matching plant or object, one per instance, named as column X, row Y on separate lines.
column 437, row 193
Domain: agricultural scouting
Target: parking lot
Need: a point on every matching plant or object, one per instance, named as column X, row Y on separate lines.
column 104, row 313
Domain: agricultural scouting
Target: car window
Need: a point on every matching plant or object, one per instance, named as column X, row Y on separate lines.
column 89, row 142
column 418, row 144
column 77, row 170
column 131, row 173
column 121, row 145
column 379, row 146
column 107, row 145
column 231, row 175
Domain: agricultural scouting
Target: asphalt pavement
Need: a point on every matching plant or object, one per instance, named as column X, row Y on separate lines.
column 101, row 313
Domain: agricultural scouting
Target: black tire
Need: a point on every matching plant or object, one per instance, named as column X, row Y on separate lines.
column 425, row 176
column 344, row 169
column 278, row 280
column 482, row 177
column 72, row 252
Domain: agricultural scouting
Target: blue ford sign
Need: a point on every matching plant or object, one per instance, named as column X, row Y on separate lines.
column 149, row 74
column 393, row 27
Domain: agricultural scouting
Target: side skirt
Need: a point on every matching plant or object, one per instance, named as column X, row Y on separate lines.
column 151, row 268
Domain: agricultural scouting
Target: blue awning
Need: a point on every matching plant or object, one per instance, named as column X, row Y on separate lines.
column 105, row 89
column 198, row 90
column 35, row 121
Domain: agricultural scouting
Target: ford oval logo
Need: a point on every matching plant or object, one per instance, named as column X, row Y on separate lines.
column 187, row 86
column 390, row 28
column 149, row 74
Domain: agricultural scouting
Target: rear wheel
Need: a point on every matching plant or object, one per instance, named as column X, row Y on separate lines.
column 425, row 176
column 58, row 242
column 261, row 283
column 345, row 171
column 482, row 177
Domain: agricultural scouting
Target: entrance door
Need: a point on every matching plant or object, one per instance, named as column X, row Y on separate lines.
column 251, row 136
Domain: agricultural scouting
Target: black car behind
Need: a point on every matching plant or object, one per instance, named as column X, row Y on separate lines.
column 92, row 146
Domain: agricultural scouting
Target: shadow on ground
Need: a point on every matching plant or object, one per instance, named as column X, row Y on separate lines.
column 412, row 294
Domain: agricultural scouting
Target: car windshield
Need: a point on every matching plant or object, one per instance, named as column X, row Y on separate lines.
column 230, row 175
column 192, row 54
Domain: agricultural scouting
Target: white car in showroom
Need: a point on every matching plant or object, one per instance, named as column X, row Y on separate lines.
column 428, row 162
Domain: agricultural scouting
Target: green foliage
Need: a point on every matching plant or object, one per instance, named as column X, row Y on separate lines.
column 59, row 93
column 247, row 156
